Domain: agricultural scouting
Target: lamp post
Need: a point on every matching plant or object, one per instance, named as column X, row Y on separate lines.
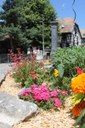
column 43, row 36
column 54, row 36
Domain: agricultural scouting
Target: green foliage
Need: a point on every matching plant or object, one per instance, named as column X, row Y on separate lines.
column 81, row 120
column 32, row 72
column 69, row 58
column 61, row 70
column 29, row 17
column 29, row 72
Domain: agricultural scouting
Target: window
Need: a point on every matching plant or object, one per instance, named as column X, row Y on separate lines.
column 68, row 37
column 84, row 34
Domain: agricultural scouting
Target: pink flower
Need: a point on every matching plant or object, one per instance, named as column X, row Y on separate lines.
column 54, row 93
column 34, row 76
column 41, row 93
column 57, row 102
column 45, row 96
column 35, row 91
column 34, row 85
column 43, row 88
column 64, row 93
column 25, row 92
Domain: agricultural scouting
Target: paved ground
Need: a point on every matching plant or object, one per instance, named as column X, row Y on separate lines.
column 4, row 68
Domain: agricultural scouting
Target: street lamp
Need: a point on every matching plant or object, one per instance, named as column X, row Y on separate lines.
column 43, row 36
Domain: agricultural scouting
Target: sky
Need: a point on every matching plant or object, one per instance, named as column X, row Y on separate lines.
column 64, row 9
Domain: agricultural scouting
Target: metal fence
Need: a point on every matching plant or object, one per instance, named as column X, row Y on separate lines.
column 4, row 58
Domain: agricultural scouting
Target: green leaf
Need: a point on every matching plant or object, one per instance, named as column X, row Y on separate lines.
column 83, row 126
column 79, row 119
column 61, row 69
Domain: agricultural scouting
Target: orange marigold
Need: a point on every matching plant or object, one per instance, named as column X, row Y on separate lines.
column 77, row 109
column 78, row 84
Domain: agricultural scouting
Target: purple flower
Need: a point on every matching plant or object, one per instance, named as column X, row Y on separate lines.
column 25, row 92
column 21, row 92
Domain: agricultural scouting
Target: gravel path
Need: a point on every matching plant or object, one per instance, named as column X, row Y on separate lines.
column 45, row 119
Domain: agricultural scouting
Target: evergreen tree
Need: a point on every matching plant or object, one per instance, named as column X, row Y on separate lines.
column 27, row 20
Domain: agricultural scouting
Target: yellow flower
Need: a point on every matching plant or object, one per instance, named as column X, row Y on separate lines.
column 78, row 84
column 56, row 73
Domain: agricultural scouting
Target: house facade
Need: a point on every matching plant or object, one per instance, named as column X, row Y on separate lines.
column 83, row 36
column 69, row 32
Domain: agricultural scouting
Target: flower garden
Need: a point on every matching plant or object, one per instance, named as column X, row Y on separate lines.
column 50, row 87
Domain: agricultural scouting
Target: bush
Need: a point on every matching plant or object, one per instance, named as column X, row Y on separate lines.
column 69, row 58
column 27, row 71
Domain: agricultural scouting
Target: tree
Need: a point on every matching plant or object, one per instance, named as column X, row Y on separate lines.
column 30, row 18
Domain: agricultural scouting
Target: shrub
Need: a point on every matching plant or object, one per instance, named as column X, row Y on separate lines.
column 27, row 71
column 69, row 58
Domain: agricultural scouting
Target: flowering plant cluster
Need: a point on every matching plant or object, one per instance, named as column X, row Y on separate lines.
column 43, row 96
column 78, row 87
column 25, row 71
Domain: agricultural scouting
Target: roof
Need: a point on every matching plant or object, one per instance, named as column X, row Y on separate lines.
column 66, row 24
column 82, row 33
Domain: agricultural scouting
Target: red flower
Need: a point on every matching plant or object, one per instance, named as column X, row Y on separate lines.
column 79, row 70
column 31, row 72
column 34, row 76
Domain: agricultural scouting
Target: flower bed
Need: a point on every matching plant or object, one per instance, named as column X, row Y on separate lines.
column 48, row 88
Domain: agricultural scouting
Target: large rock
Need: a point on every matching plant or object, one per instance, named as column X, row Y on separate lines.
column 14, row 110
column 4, row 69
column 3, row 125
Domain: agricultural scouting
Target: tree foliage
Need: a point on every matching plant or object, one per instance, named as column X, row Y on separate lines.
column 26, row 19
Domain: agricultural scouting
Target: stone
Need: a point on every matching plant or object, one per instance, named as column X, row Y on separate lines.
column 3, row 125
column 14, row 110
column 4, row 69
